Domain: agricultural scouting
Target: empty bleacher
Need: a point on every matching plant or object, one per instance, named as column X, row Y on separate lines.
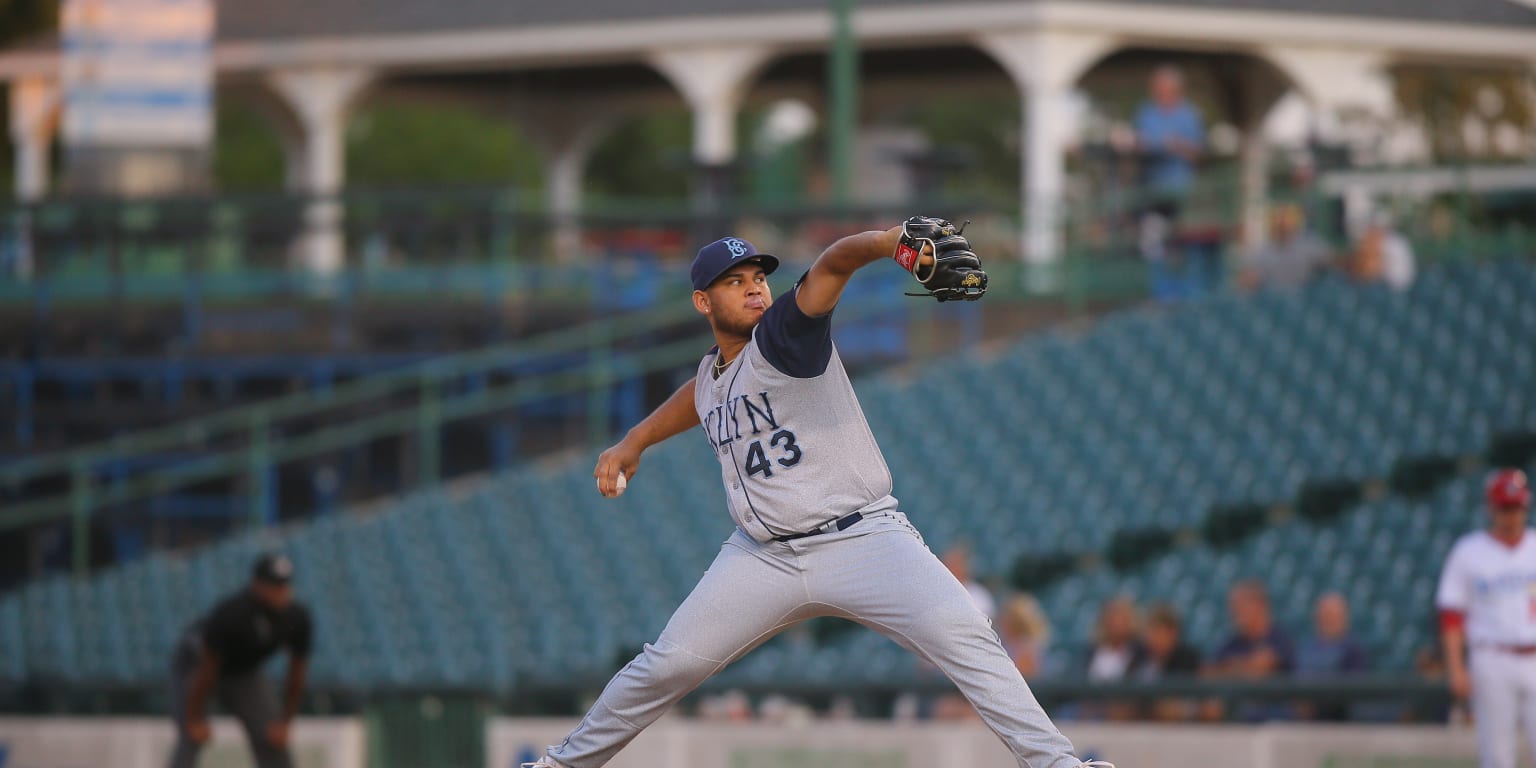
column 1150, row 419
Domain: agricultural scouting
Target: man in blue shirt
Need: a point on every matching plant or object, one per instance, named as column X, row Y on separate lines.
column 1257, row 649
column 1332, row 651
column 1170, row 137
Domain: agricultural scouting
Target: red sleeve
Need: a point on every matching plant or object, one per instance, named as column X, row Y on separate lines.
column 1452, row 619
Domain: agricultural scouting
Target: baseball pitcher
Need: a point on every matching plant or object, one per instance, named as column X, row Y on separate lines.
column 818, row 532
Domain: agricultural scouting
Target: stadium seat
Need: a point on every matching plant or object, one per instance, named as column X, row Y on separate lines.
column 1147, row 420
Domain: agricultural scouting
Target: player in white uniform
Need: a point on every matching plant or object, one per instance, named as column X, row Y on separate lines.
column 1487, row 602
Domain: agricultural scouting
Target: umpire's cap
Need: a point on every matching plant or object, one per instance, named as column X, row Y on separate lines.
column 273, row 568
column 718, row 257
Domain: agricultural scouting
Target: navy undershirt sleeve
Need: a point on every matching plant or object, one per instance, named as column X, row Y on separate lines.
column 795, row 343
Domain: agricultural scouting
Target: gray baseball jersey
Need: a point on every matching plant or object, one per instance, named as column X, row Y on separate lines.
column 795, row 452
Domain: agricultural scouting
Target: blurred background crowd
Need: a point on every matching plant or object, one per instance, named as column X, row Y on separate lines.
column 1144, row 644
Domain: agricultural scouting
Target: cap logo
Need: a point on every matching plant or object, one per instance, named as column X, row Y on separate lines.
column 282, row 568
column 737, row 247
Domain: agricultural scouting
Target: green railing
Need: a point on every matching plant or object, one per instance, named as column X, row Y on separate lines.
column 241, row 247
column 89, row 248
column 490, row 242
column 241, row 446
column 246, row 442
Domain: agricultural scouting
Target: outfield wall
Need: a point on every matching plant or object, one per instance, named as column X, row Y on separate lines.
column 143, row 742
column 684, row 744
column 678, row 743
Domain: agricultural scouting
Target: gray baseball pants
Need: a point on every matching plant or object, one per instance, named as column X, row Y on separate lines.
column 878, row 573
column 250, row 698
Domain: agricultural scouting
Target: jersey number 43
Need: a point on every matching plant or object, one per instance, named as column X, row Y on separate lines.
column 782, row 440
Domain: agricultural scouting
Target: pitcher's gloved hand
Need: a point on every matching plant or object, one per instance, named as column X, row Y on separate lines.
column 941, row 259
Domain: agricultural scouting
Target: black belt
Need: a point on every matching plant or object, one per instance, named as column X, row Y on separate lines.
column 842, row 523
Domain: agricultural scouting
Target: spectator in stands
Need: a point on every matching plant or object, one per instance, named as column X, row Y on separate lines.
column 1291, row 258
column 1025, row 633
column 1332, row 650
column 1257, row 649
column 1163, row 652
column 1114, row 643
column 1170, row 137
column 1109, row 659
column 1381, row 255
column 958, row 559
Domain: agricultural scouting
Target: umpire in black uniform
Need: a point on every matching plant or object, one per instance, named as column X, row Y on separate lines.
column 223, row 653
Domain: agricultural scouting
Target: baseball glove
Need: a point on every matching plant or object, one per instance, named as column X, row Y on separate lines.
column 955, row 272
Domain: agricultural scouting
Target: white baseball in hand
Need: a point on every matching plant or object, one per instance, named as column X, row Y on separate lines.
column 618, row 486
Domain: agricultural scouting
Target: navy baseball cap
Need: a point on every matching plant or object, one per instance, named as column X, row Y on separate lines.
column 718, row 257
column 273, row 568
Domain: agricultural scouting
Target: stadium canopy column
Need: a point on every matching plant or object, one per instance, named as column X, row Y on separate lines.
column 566, row 166
column 1257, row 87
column 566, row 134
column 713, row 81
column 1253, row 159
column 321, row 98
column 34, row 104
column 1044, row 65
column 34, row 111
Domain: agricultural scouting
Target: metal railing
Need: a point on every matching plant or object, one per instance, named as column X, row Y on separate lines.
column 490, row 242
column 246, row 442
column 86, row 247
column 243, row 446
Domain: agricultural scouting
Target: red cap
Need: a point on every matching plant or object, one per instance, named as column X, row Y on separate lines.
column 1508, row 488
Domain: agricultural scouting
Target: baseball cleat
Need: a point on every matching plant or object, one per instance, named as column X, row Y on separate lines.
column 549, row 762
column 1096, row 764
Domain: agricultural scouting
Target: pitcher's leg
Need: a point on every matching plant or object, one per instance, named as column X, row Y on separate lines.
column 743, row 599
column 891, row 582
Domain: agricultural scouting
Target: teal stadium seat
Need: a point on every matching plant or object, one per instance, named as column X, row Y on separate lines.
column 1148, row 419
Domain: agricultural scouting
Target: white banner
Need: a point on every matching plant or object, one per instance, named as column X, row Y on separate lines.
column 137, row 72
column 677, row 743
column 136, row 742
